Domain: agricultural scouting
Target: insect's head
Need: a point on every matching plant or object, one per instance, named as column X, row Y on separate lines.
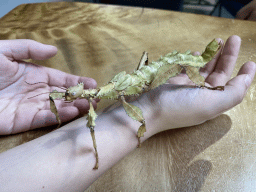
column 74, row 92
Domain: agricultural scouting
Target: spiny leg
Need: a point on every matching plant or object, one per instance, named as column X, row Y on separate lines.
column 194, row 75
column 55, row 95
column 141, row 131
column 55, row 111
column 164, row 73
column 143, row 60
column 136, row 114
column 221, row 88
column 91, row 117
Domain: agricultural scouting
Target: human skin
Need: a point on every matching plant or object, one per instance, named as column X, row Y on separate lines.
column 63, row 160
column 18, row 113
column 248, row 12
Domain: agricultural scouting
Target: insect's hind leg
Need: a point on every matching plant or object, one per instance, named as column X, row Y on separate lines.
column 136, row 114
column 54, row 109
column 194, row 75
column 91, row 117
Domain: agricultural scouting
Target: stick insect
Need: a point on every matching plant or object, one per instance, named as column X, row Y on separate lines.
column 145, row 78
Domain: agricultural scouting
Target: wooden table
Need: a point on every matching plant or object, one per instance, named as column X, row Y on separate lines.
column 100, row 40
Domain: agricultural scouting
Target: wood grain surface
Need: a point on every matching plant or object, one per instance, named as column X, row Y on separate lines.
column 99, row 41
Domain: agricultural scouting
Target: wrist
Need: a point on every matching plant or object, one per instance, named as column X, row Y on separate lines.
column 152, row 114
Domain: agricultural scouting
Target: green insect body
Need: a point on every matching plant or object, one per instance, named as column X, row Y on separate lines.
column 146, row 77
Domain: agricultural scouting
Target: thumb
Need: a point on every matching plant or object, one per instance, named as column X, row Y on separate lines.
column 243, row 80
column 234, row 93
column 19, row 49
column 238, row 86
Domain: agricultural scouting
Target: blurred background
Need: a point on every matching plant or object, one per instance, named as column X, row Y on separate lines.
column 205, row 7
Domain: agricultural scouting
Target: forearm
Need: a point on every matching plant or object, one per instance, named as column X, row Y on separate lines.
column 64, row 159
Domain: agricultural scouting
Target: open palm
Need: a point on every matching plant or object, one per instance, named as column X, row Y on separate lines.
column 18, row 111
column 181, row 104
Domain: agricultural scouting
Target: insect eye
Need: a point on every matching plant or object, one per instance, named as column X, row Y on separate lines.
column 73, row 93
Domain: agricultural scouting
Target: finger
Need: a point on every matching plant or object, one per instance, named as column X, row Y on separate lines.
column 197, row 53
column 244, row 12
column 237, row 87
column 252, row 16
column 226, row 62
column 66, row 111
column 61, row 79
column 19, row 49
column 46, row 118
column 83, row 105
column 240, row 84
column 235, row 91
column 208, row 69
column 181, row 79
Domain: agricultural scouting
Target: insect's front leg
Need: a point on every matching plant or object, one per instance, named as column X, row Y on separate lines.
column 136, row 114
column 91, row 117
column 55, row 95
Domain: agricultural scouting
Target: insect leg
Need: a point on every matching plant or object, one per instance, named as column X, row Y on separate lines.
column 136, row 114
column 54, row 110
column 143, row 60
column 55, row 95
column 194, row 75
column 164, row 73
column 91, row 117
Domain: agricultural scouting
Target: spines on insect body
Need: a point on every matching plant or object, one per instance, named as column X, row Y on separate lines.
column 155, row 73
column 89, row 93
column 182, row 59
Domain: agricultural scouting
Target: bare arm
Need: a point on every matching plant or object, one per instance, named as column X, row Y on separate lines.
column 63, row 160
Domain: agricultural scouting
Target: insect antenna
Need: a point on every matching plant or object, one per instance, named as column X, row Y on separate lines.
column 35, row 83
column 44, row 83
column 42, row 94
column 37, row 95
column 63, row 88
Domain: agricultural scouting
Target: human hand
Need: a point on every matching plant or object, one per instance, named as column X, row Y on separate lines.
column 248, row 12
column 180, row 104
column 17, row 112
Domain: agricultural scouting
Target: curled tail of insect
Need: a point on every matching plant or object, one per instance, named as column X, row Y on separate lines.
column 211, row 50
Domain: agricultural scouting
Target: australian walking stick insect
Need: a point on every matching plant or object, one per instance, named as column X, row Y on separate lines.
column 146, row 77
